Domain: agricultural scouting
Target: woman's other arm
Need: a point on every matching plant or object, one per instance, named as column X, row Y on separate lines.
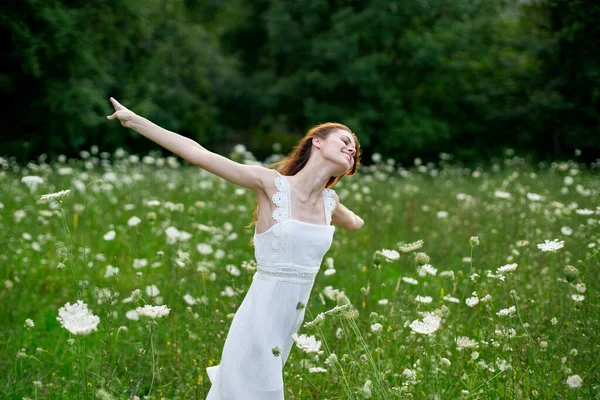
column 345, row 218
column 249, row 176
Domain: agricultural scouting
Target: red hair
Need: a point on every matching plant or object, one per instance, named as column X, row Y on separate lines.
column 299, row 156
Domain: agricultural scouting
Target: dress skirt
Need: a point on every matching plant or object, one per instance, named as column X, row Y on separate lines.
column 266, row 319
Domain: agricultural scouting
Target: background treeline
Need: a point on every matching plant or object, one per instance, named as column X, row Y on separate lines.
column 411, row 77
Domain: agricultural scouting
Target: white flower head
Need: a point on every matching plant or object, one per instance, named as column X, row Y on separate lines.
column 578, row 297
column 153, row 312
column 507, row 311
column 77, row 319
column 390, row 255
column 308, row 344
column 58, row 196
column 463, row 342
column 427, row 269
column 110, row 235
column 502, row 194
column 133, row 221
column 551, row 245
column 409, row 280
column 506, row 268
column 584, row 211
column 428, row 325
column 423, row 299
column 152, row 291
column 32, row 181
column 534, row 197
column 407, row 248
column 574, row 381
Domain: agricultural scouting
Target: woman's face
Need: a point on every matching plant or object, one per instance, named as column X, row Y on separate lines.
column 339, row 147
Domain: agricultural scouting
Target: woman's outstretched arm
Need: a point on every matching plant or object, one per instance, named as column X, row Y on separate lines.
column 249, row 176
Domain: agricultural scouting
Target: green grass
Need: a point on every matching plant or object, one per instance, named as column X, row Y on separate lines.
column 397, row 207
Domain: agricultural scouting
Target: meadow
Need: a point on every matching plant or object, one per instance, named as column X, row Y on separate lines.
column 464, row 283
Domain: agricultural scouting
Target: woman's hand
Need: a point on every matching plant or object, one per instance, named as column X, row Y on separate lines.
column 123, row 114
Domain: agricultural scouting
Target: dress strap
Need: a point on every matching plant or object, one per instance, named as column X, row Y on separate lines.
column 281, row 199
column 329, row 204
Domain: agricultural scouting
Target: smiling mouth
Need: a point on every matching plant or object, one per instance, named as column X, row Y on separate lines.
column 349, row 158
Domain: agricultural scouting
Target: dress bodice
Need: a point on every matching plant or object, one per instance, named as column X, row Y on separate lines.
column 291, row 249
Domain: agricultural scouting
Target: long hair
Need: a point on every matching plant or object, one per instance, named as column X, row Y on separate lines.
column 300, row 154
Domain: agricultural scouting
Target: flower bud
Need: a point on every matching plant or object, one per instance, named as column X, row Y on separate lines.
column 422, row 258
column 571, row 273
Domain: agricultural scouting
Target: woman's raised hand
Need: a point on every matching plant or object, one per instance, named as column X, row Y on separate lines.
column 122, row 113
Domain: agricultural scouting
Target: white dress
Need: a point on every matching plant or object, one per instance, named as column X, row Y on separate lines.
column 288, row 255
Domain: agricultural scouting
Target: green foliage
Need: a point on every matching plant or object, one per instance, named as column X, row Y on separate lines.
column 412, row 78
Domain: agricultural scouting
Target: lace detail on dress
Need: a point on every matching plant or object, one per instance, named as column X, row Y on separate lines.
column 282, row 244
column 281, row 199
column 287, row 273
column 329, row 202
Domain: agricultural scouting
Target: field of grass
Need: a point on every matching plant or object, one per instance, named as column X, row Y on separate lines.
column 477, row 311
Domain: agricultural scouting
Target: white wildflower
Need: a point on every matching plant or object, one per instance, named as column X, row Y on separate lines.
column 407, row 248
column 430, row 324
column 451, row 299
column 32, row 181
column 308, row 344
column 133, row 221
column 153, row 311
column 463, row 342
column 472, row 301
column 77, row 319
column 551, row 245
column 427, row 269
column 410, row 280
column 110, row 271
column 152, row 291
column 58, row 196
column 507, row 311
column 232, row 269
column 574, row 381
column 567, row 231
column 132, row 315
column 389, row 255
column 534, row 197
column 423, row 299
column 506, row 268
column 578, row 297
column 204, row 248
column 502, row 195
column 584, row 211
column 110, row 235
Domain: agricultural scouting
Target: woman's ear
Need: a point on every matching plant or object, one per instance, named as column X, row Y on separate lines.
column 316, row 141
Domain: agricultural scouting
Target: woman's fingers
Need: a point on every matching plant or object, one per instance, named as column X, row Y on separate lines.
column 113, row 116
column 116, row 104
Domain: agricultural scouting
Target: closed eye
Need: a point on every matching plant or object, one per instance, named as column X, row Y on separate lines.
column 347, row 142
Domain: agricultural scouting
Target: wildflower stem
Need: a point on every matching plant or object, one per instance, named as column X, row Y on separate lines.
column 356, row 330
column 152, row 349
column 302, row 374
column 328, row 351
column 70, row 246
column 520, row 320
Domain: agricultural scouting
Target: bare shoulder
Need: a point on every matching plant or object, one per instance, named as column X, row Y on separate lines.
column 266, row 177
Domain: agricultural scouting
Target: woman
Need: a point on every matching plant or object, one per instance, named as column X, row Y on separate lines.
column 292, row 234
